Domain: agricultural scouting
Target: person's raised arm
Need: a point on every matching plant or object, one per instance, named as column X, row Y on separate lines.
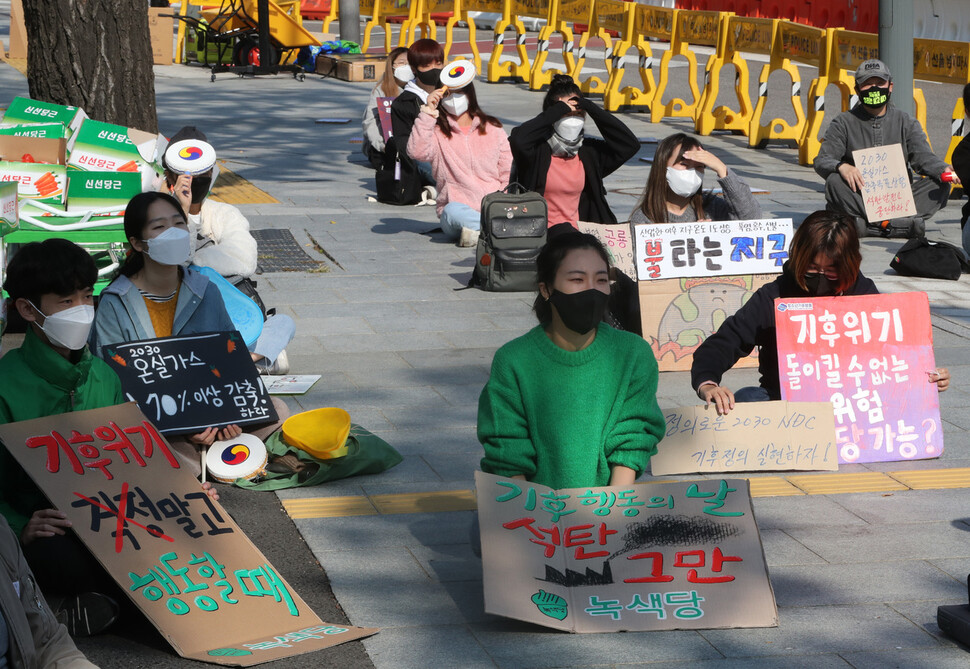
column 621, row 143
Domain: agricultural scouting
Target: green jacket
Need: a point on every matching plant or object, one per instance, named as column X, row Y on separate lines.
column 36, row 381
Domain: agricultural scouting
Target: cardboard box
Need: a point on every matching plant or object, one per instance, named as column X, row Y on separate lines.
column 105, row 147
column 160, row 30
column 44, row 179
column 98, row 190
column 24, row 111
column 48, row 130
column 9, row 212
column 351, row 66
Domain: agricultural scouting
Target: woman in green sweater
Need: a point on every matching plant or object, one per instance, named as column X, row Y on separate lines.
column 572, row 403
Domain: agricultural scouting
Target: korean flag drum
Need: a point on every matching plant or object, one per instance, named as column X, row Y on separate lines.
column 458, row 74
column 190, row 156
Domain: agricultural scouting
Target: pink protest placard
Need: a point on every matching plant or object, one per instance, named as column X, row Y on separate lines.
column 869, row 356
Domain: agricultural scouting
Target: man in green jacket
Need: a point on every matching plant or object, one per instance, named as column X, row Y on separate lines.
column 51, row 285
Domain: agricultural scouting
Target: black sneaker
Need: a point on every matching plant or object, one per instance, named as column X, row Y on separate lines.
column 87, row 614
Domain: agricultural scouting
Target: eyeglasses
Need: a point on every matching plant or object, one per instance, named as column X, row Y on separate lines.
column 831, row 275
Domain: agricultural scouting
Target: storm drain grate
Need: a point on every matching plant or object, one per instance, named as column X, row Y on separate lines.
column 280, row 252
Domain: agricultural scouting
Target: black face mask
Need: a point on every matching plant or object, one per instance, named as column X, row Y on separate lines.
column 819, row 285
column 429, row 77
column 200, row 188
column 875, row 97
column 580, row 312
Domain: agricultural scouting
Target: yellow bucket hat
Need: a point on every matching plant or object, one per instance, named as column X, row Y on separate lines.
column 321, row 432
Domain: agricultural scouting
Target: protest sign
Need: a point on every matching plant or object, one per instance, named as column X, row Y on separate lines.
column 683, row 250
column 754, row 436
column 650, row 557
column 618, row 242
column 188, row 384
column 886, row 189
column 868, row 355
column 677, row 315
column 384, row 116
column 176, row 553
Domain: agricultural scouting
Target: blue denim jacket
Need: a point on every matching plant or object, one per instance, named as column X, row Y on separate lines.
column 122, row 315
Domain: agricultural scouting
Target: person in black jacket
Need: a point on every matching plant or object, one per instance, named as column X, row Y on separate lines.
column 823, row 260
column 545, row 151
column 961, row 165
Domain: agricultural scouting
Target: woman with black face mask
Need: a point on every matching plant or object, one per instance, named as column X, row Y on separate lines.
column 823, row 260
column 572, row 403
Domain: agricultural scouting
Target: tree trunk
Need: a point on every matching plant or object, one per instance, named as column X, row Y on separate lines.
column 94, row 54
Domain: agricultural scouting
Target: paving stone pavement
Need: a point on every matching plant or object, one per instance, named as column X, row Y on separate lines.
column 857, row 577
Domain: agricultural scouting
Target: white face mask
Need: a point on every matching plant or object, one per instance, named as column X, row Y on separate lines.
column 69, row 328
column 455, row 104
column 569, row 127
column 172, row 247
column 684, row 182
column 403, row 73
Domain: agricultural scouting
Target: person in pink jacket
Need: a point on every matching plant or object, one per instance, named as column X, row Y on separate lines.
column 469, row 154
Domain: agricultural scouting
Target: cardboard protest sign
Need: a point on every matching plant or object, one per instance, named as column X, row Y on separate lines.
column 684, row 250
column 384, row 116
column 665, row 556
column 886, row 189
column 677, row 315
column 187, row 384
column 176, row 553
column 868, row 355
column 618, row 242
column 754, row 436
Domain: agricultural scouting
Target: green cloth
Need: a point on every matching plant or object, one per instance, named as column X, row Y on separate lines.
column 36, row 381
column 564, row 418
column 366, row 454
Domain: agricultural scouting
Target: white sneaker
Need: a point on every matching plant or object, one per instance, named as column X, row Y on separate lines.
column 468, row 237
column 278, row 367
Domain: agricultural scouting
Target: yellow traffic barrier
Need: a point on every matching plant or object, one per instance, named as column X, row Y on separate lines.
column 606, row 15
column 499, row 70
column 740, row 35
column 574, row 11
column 690, row 28
column 538, row 75
column 792, row 42
column 946, row 62
column 331, row 17
column 648, row 22
column 379, row 11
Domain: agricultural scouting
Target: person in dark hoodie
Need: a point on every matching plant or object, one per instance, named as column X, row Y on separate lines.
column 823, row 260
column 553, row 157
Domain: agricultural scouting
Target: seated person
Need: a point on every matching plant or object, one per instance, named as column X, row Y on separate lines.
column 30, row 635
column 961, row 165
column 469, row 155
column 673, row 192
column 823, row 260
column 397, row 74
column 573, row 402
column 154, row 295
column 554, row 157
column 51, row 285
column 876, row 122
column 221, row 240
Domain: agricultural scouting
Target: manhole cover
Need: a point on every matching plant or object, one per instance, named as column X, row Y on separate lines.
column 280, row 252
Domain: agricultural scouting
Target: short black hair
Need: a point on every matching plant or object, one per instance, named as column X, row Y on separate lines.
column 560, row 240
column 562, row 86
column 52, row 266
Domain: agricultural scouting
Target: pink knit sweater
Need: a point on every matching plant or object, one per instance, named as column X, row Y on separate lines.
column 466, row 167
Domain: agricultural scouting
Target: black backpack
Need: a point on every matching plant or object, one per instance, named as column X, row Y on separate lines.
column 933, row 260
column 514, row 223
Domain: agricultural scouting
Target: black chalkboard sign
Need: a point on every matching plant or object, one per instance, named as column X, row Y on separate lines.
column 187, row 384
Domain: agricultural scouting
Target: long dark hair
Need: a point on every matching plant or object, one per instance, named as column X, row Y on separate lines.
column 829, row 233
column 136, row 217
column 551, row 257
column 653, row 202
column 476, row 112
column 561, row 86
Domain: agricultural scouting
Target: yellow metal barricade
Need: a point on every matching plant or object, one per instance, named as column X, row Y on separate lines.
column 793, row 42
column 648, row 22
column 379, row 11
column 420, row 18
column 949, row 63
column 539, row 77
column 574, row 11
column 331, row 17
column 499, row 70
column 740, row 35
column 607, row 15
column 690, row 28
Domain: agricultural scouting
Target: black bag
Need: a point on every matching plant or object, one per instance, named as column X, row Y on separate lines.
column 395, row 185
column 514, row 223
column 933, row 260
